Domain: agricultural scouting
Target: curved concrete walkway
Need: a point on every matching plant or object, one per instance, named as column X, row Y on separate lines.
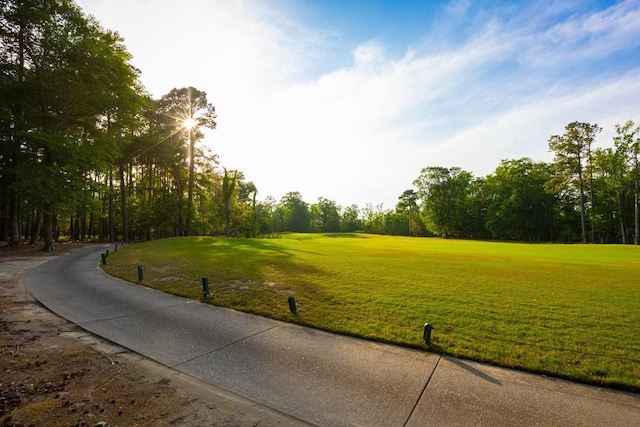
column 315, row 377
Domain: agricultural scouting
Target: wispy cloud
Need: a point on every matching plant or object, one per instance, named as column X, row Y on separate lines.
column 588, row 35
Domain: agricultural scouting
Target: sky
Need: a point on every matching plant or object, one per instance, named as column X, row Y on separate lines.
column 350, row 100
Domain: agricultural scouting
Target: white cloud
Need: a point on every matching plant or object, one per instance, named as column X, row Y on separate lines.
column 368, row 54
column 525, row 131
column 362, row 133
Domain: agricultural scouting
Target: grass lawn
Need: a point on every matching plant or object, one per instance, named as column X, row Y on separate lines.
column 571, row 311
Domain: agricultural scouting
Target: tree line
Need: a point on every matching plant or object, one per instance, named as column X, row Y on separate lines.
column 85, row 151
column 87, row 154
column 587, row 194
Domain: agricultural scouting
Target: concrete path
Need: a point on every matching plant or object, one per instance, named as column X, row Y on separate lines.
column 315, row 377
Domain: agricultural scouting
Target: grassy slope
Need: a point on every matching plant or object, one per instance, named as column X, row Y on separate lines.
column 570, row 311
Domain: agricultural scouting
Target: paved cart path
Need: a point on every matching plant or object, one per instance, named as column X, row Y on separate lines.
column 315, row 377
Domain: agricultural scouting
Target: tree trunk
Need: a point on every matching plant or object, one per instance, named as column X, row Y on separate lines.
column 101, row 220
column 179, row 228
column 4, row 224
column 228, row 187
column 583, row 220
column 621, row 219
column 112, row 227
column 74, row 234
column 91, row 221
column 150, row 224
column 636, row 207
column 591, row 194
column 83, row 226
column 254, row 226
column 190, row 185
column 35, row 229
column 14, row 220
column 48, row 230
column 123, row 199
column 636, row 236
column 227, row 217
column 123, row 195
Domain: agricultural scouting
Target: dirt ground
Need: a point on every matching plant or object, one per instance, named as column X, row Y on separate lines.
column 55, row 374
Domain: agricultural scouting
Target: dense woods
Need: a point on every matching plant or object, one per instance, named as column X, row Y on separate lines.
column 87, row 154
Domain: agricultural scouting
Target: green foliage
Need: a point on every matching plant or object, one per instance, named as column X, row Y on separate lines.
column 573, row 156
column 409, row 213
column 350, row 220
column 566, row 310
column 520, row 208
column 183, row 112
column 229, row 183
column 82, row 144
column 292, row 214
column 325, row 216
column 66, row 82
column 444, row 194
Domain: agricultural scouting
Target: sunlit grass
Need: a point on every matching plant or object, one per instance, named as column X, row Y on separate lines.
column 567, row 310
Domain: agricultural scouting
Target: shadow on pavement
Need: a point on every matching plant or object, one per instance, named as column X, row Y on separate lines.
column 474, row 371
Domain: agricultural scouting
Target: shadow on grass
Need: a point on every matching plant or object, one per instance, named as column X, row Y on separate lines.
column 346, row 235
column 231, row 244
column 239, row 264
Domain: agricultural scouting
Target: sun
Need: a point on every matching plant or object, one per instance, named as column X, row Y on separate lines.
column 189, row 123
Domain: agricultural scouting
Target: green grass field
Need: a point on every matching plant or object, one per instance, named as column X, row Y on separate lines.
column 571, row 311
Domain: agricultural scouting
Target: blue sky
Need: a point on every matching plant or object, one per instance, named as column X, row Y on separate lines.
column 349, row 100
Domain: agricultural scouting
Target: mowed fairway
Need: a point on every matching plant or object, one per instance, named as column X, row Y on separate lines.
column 571, row 311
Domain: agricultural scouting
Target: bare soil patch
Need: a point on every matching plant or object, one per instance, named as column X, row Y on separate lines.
column 54, row 373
